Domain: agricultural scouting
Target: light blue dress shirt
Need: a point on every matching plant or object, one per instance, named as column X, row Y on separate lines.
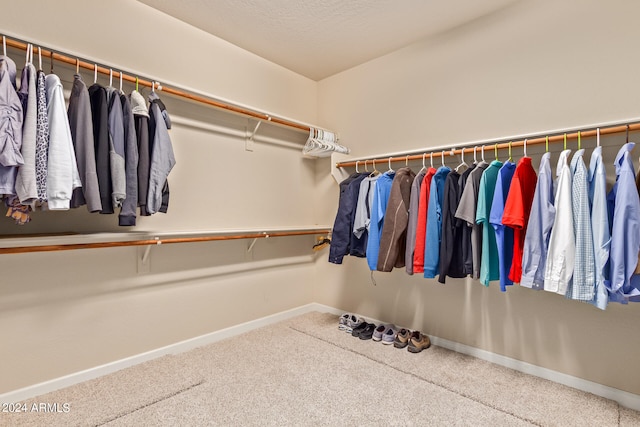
column 599, row 226
column 381, row 193
column 433, row 235
column 536, row 241
column 504, row 235
column 625, row 230
column 583, row 282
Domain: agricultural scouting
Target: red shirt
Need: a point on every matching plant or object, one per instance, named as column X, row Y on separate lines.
column 421, row 229
column 517, row 209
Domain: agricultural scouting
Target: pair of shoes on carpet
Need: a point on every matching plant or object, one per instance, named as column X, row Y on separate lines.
column 386, row 334
column 349, row 321
column 364, row 331
column 415, row 341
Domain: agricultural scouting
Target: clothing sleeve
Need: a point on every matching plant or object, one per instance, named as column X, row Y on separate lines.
column 625, row 237
column 127, row 215
column 467, row 208
column 513, row 214
column 373, row 243
column 432, row 237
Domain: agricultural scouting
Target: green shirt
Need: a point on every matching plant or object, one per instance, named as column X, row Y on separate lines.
column 489, row 266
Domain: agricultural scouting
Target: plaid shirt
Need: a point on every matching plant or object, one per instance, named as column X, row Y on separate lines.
column 584, row 268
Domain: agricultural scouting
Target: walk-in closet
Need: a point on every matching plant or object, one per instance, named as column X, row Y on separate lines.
column 319, row 213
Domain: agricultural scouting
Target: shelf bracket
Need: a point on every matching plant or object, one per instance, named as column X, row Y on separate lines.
column 253, row 242
column 143, row 261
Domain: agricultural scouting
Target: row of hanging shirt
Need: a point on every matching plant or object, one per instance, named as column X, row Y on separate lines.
column 501, row 222
column 107, row 151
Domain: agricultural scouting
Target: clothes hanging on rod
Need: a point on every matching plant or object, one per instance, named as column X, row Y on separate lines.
column 86, row 155
column 186, row 94
column 560, row 243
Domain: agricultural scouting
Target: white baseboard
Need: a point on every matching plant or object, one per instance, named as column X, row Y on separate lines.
column 180, row 347
column 624, row 398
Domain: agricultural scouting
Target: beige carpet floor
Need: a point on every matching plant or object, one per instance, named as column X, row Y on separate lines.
column 305, row 372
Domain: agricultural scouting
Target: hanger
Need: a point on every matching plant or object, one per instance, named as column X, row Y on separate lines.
column 121, row 82
column 77, row 66
column 442, row 158
column 357, row 171
column 510, row 159
column 565, row 141
column 496, row 151
column 39, row 59
column 4, row 45
column 627, row 134
column 424, row 166
column 375, row 171
column 579, row 141
column 546, row 144
column 432, row 159
column 153, row 87
column 406, row 161
column 475, row 158
column 482, row 153
column 463, row 164
column 137, row 81
column 51, row 70
column 26, row 61
column 390, row 170
column 110, row 77
column 598, row 137
column 95, row 73
column 525, row 147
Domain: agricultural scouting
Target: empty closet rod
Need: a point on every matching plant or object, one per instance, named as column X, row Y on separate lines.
column 537, row 138
column 155, row 241
column 166, row 89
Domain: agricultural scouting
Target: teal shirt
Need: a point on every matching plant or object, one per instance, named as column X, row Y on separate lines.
column 489, row 265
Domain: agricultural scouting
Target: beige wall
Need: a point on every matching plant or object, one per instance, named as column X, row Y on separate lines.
column 64, row 312
column 534, row 66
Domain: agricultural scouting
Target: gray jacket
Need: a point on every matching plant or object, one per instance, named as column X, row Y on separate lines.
column 162, row 157
column 11, row 118
column 81, row 125
column 116, row 148
column 26, row 188
column 127, row 215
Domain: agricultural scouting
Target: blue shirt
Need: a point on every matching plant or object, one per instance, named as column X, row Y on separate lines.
column 489, row 269
column 504, row 235
column 433, row 235
column 625, row 232
column 599, row 226
column 382, row 189
column 536, row 241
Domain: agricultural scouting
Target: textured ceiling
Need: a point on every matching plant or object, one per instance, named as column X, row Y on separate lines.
column 319, row 38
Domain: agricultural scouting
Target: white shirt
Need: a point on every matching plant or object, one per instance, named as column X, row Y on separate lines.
column 562, row 243
column 62, row 168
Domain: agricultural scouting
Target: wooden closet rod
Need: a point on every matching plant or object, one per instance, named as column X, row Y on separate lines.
column 176, row 92
column 152, row 242
column 556, row 137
